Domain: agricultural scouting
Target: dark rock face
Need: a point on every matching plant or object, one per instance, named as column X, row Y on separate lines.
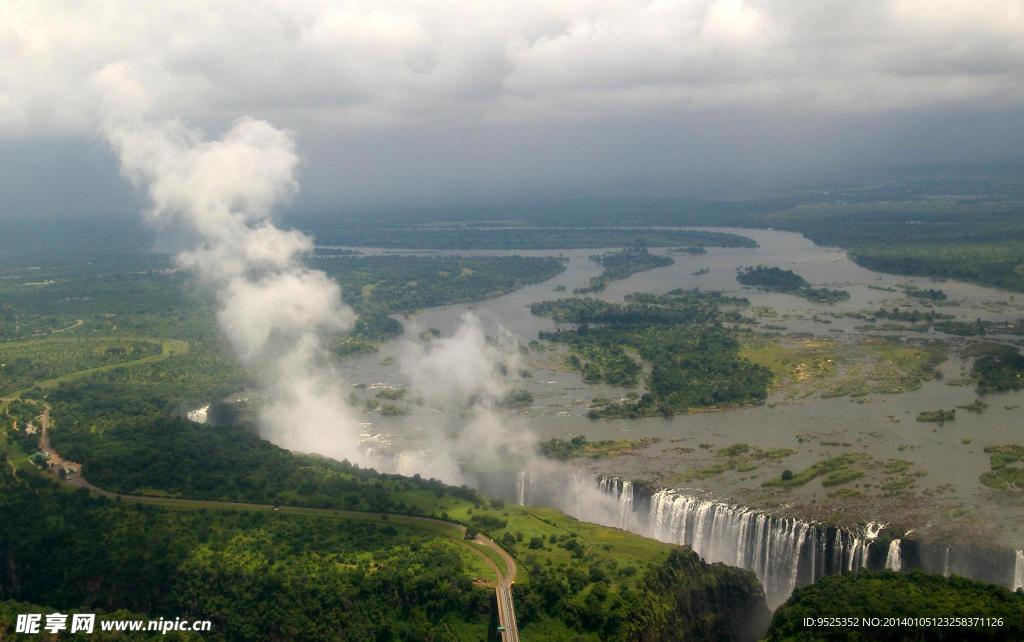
column 689, row 599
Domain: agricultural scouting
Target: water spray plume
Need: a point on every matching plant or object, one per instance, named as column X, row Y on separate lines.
column 220, row 196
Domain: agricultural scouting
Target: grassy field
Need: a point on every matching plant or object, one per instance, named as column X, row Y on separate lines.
column 55, row 360
column 825, row 368
column 885, row 477
column 521, row 525
column 742, row 458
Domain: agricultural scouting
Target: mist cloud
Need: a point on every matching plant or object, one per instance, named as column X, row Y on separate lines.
column 220, row 195
column 465, row 375
column 463, row 368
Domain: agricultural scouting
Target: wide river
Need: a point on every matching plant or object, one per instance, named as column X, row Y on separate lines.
column 950, row 458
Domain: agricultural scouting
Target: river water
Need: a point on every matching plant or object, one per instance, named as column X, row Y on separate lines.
column 949, row 497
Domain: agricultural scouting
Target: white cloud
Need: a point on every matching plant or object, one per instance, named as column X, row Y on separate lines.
column 66, row 66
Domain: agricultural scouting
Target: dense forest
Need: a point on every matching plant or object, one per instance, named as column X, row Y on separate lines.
column 512, row 238
column 969, row 238
column 379, row 286
column 580, row 446
column 136, row 296
column 936, row 224
column 694, row 358
column 622, row 264
column 403, row 284
column 999, row 368
column 328, row 576
column 888, row 594
column 24, row 363
column 775, row 279
column 257, row 576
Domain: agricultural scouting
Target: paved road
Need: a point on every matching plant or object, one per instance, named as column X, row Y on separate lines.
column 503, row 594
column 506, row 612
column 504, row 578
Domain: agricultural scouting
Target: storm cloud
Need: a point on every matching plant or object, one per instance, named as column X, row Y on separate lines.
column 412, row 100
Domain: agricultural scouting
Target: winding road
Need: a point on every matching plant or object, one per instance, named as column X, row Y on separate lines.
column 482, row 546
column 504, row 578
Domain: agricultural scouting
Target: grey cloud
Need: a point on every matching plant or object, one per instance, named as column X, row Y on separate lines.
column 66, row 66
column 403, row 103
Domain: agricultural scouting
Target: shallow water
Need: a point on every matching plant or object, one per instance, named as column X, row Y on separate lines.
column 883, row 426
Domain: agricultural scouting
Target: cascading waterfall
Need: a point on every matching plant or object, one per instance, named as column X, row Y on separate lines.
column 786, row 553
column 1018, row 570
column 783, row 552
column 626, row 505
column 521, row 487
column 894, row 558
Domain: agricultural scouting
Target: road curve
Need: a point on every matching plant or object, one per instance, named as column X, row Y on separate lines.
column 504, row 579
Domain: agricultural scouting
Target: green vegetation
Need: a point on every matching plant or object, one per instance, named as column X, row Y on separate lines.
column 776, row 279
column 804, row 367
column 675, row 307
column 693, row 356
column 518, row 398
column 156, row 451
column 738, row 457
column 1007, row 468
column 940, row 416
column 96, row 293
column 125, row 396
column 382, row 285
column 972, row 238
column 996, row 263
column 929, row 317
column 896, row 595
column 913, row 227
column 254, row 574
column 401, row 284
column 219, row 561
column 621, row 265
column 977, row 407
column 128, row 297
column 23, row 363
column 575, row 580
column 497, row 238
column 674, row 606
column 891, row 477
column 999, row 368
column 604, row 364
column 924, row 320
column 929, row 294
column 836, row 470
column 578, row 446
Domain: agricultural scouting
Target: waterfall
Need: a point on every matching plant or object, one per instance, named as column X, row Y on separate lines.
column 521, row 487
column 625, row 505
column 199, row 415
column 872, row 529
column 1018, row 571
column 783, row 552
column 893, row 560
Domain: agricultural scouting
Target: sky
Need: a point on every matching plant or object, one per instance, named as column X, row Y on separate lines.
column 410, row 104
